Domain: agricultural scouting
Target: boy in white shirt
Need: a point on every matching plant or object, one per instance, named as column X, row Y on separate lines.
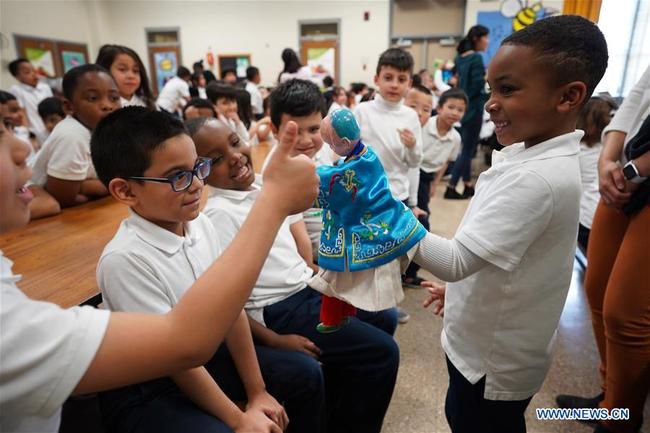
column 176, row 92
column 29, row 92
column 50, row 353
column 440, row 144
column 360, row 361
column 253, row 80
column 393, row 130
column 63, row 166
column 512, row 256
column 155, row 256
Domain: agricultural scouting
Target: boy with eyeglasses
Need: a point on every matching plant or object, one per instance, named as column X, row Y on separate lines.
column 149, row 163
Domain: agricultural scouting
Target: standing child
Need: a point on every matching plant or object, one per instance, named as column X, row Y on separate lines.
column 84, row 350
column 63, row 166
column 29, row 92
column 175, row 93
column 253, row 80
column 393, row 130
column 129, row 74
column 512, row 256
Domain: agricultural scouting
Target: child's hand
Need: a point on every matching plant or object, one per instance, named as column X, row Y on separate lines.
column 255, row 421
column 297, row 343
column 419, row 212
column 437, row 296
column 263, row 401
column 407, row 137
column 290, row 182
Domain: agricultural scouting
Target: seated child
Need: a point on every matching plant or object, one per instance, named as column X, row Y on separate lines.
column 29, row 92
column 42, row 204
column 360, row 361
column 224, row 98
column 156, row 255
column 51, row 112
column 63, row 166
column 440, row 141
column 365, row 229
column 50, row 353
column 512, row 256
column 176, row 92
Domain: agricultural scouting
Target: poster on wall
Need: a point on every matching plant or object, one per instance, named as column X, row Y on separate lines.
column 166, row 63
column 513, row 15
column 238, row 62
column 321, row 60
column 43, row 61
column 72, row 59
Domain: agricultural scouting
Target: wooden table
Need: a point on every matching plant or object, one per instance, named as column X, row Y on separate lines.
column 58, row 256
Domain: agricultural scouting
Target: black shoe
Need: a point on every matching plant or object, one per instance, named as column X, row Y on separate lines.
column 452, row 194
column 600, row 429
column 576, row 402
column 468, row 191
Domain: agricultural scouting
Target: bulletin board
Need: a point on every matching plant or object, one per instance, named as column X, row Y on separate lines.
column 238, row 62
column 51, row 58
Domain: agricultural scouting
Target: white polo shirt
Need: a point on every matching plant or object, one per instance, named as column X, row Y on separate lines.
column 146, row 268
column 379, row 121
column 500, row 322
column 257, row 102
column 65, row 154
column 135, row 101
column 284, row 272
column 45, row 351
column 29, row 97
column 438, row 149
column 173, row 94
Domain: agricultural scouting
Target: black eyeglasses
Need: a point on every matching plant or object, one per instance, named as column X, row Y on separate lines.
column 182, row 180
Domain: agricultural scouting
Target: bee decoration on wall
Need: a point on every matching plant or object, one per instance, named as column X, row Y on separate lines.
column 524, row 14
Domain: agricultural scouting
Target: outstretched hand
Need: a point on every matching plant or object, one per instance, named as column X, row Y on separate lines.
column 436, row 296
column 291, row 181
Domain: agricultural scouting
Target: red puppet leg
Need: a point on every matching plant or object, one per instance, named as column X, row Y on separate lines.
column 349, row 310
column 331, row 314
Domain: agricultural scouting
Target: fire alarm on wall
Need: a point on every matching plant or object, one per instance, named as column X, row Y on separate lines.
column 366, row 16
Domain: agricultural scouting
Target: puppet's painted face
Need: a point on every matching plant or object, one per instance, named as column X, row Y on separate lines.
column 341, row 131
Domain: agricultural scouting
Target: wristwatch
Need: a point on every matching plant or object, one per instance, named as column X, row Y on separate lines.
column 631, row 173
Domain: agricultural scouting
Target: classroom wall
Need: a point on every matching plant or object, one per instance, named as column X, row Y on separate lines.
column 475, row 6
column 428, row 17
column 68, row 21
column 261, row 28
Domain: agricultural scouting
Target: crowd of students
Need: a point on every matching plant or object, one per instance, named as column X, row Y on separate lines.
column 179, row 279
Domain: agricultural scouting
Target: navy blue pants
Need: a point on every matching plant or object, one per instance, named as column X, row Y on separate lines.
column 159, row 406
column 468, row 411
column 469, row 134
column 359, row 361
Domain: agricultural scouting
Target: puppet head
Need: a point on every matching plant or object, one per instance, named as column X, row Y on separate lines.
column 341, row 130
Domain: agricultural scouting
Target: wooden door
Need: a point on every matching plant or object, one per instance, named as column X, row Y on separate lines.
column 317, row 54
column 163, row 63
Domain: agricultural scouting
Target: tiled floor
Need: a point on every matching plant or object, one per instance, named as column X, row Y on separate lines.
column 418, row 401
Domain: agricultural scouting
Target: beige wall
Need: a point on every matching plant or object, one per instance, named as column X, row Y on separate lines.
column 261, row 28
column 428, row 16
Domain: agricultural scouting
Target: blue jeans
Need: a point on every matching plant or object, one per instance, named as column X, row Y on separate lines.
column 159, row 406
column 359, row 361
column 469, row 134
column 468, row 411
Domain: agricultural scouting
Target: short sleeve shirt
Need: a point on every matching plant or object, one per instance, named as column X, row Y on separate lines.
column 45, row 351
column 65, row 154
column 500, row 322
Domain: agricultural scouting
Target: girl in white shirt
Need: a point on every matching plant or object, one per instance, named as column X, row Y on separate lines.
column 129, row 74
column 293, row 68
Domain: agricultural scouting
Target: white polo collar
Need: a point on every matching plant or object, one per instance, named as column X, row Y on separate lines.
column 562, row 145
column 432, row 128
column 159, row 237
column 236, row 195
